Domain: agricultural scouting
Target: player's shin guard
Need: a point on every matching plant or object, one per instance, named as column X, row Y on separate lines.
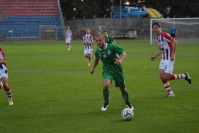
column 106, row 96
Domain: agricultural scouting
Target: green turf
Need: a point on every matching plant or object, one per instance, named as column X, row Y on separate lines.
column 54, row 92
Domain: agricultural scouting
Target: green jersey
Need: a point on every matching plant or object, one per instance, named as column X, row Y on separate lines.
column 108, row 56
column 109, row 39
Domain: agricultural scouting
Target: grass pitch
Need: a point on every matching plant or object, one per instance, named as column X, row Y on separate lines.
column 54, row 92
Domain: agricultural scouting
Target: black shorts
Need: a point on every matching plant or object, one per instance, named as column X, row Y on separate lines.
column 173, row 35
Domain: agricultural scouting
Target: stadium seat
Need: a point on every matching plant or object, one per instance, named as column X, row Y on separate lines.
column 25, row 16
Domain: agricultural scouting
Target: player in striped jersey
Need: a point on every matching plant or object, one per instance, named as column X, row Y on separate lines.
column 4, row 76
column 167, row 48
column 88, row 45
column 68, row 37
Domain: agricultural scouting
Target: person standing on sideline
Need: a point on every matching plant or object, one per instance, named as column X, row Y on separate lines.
column 88, row 45
column 167, row 47
column 108, row 38
column 68, row 37
column 173, row 31
column 4, row 77
column 112, row 69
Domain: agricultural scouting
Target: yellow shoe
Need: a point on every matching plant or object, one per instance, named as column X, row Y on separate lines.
column 89, row 63
column 69, row 48
column 10, row 102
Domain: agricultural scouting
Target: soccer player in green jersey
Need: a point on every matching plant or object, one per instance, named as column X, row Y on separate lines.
column 100, row 31
column 108, row 38
column 112, row 69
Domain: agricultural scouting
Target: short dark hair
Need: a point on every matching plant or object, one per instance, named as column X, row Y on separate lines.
column 156, row 24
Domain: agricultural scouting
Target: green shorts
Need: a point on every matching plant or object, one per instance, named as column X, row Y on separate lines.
column 117, row 77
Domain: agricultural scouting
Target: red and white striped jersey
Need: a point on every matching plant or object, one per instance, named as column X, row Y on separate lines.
column 68, row 34
column 2, row 55
column 88, row 38
column 164, row 40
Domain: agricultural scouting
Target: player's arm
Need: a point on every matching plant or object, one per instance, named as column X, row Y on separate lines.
column 92, row 40
column 174, row 42
column 84, row 42
column 114, row 42
column 94, row 66
column 71, row 36
column 121, row 58
column 65, row 35
column 2, row 61
column 159, row 52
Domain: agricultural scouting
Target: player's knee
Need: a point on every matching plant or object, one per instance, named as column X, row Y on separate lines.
column 106, row 86
column 165, row 77
column 6, row 86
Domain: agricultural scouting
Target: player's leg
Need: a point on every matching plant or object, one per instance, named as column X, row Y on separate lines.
column 181, row 76
column 7, row 89
column 87, row 55
column 119, row 82
column 89, row 59
column 170, row 76
column 125, row 96
column 106, row 85
column 90, row 51
column 165, row 83
column 69, row 46
column 86, row 52
column 166, row 69
column 1, row 85
column 107, row 80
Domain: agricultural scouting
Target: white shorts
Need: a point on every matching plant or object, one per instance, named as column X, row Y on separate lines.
column 3, row 72
column 167, row 66
column 68, row 40
column 88, row 51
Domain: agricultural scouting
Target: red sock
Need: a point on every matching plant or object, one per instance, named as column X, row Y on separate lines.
column 166, row 85
column 177, row 76
column 8, row 92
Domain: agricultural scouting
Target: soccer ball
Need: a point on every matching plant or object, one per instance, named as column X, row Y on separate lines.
column 127, row 114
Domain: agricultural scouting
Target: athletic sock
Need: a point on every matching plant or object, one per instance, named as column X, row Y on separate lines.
column 167, row 86
column 106, row 96
column 8, row 93
column 125, row 96
column 177, row 76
